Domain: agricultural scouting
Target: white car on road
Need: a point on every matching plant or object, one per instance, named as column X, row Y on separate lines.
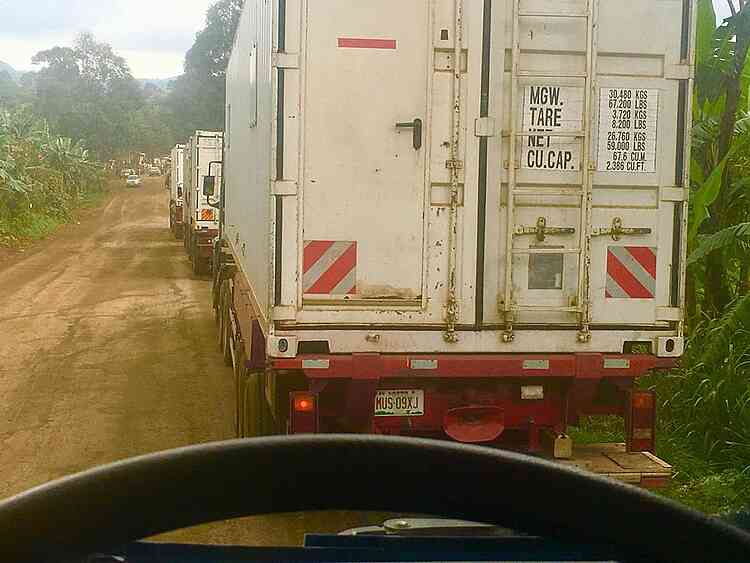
column 133, row 181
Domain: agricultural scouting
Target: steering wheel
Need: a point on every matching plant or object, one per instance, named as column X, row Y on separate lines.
column 129, row 500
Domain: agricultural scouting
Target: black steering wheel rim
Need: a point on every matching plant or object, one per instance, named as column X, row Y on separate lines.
column 129, row 500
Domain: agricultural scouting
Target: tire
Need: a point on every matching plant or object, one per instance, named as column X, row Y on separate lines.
column 220, row 319
column 224, row 328
column 196, row 260
column 238, row 396
column 226, row 345
column 253, row 402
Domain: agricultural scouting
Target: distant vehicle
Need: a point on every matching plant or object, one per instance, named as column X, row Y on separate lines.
column 176, row 179
column 154, row 171
column 133, row 181
column 125, row 172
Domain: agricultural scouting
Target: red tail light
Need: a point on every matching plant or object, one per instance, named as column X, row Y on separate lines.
column 303, row 413
column 640, row 421
column 304, row 402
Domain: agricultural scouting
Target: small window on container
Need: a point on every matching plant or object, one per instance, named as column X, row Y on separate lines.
column 228, row 127
column 254, row 84
column 546, row 271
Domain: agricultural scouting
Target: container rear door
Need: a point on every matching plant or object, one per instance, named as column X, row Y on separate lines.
column 639, row 119
column 613, row 261
column 209, row 150
column 366, row 146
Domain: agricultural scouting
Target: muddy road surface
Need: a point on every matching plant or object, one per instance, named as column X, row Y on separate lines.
column 108, row 351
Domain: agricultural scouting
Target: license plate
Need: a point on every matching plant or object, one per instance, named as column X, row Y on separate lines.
column 399, row 402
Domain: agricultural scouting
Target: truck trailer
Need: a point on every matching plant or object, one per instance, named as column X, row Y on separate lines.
column 176, row 187
column 457, row 219
column 201, row 158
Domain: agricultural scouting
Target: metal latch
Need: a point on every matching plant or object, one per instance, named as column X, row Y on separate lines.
column 617, row 230
column 541, row 230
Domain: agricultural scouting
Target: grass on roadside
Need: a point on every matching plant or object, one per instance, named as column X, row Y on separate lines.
column 35, row 224
column 29, row 226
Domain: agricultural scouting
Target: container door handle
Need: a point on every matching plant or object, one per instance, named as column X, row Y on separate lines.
column 416, row 127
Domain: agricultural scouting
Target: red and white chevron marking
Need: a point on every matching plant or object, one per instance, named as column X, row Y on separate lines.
column 329, row 267
column 631, row 272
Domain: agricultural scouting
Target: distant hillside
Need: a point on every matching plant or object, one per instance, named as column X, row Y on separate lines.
column 14, row 74
column 161, row 83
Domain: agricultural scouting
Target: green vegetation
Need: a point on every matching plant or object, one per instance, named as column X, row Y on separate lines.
column 43, row 177
column 703, row 426
column 83, row 106
column 704, row 407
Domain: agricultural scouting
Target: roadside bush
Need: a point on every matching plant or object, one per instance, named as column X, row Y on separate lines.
column 43, row 177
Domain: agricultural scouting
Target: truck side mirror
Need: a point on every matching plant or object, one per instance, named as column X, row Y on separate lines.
column 209, row 185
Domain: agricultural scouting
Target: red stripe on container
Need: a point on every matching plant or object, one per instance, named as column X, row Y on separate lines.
column 337, row 272
column 645, row 256
column 627, row 281
column 313, row 251
column 364, row 43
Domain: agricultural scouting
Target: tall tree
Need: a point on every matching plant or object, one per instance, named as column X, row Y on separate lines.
column 196, row 99
column 209, row 55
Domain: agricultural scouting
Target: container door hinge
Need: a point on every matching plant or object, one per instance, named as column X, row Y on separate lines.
column 682, row 71
column 285, row 187
column 485, row 127
column 284, row 313
column 673, row 194
column 673, row 314
column 285, row 60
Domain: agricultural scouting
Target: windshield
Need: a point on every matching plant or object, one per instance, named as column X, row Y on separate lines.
column 370, row 219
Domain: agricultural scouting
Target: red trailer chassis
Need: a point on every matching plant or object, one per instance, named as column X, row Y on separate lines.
column 176, row 224
column 199, row 244
column 506, row 400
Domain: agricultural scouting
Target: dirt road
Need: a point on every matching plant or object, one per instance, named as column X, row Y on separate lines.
column 108, row 351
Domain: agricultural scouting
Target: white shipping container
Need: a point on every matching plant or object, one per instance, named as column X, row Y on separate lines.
column 203, row 151
column 447, row 176
column 177, row 177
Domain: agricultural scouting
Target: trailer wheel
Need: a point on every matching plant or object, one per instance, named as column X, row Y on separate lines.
column 251, row 414
column 216, row 285
column 238, row 407
column 225, row 325
column 220, row 318
column 226, row 341
column 198, row 268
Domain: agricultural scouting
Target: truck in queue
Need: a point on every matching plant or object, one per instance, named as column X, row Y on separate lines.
column 176, row 183
column 459, row 220
column 202, row 157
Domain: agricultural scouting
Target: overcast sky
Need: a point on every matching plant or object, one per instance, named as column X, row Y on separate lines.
column 152, row 35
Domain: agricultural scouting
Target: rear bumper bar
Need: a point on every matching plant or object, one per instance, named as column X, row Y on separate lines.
column 376, row 366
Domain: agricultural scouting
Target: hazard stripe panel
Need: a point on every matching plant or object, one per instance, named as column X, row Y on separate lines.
column 329, row 267
column 365, row 43
column 631, row 272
